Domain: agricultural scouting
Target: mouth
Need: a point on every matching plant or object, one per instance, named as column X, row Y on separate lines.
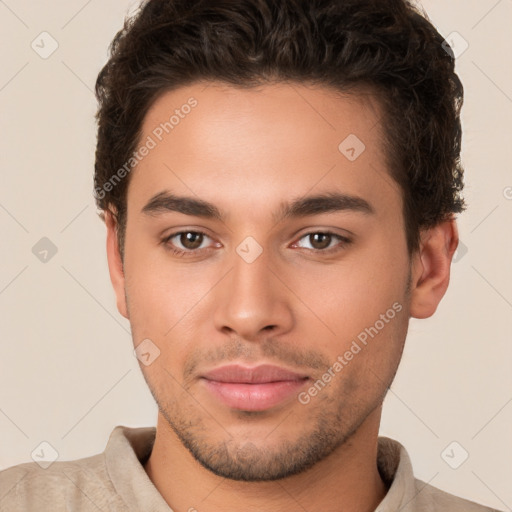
column 253, row 389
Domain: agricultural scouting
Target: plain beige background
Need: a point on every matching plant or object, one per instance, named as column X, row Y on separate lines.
column 67, row 370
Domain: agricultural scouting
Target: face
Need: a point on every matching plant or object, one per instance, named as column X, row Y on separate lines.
column 277, row 292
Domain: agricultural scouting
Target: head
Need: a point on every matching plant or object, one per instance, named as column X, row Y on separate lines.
column 317, row 145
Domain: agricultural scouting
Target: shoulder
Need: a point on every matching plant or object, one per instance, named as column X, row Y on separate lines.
column 409, row 494
column 429, row 497
column 82, row 484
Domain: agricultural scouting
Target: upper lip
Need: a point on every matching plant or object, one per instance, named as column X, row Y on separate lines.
column 254, row 375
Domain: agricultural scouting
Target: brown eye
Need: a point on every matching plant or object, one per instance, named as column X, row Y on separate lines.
column 191, row 239
column 186, row 242
column 320, row 240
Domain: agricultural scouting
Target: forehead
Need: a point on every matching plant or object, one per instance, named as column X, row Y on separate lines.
column 220, row 103
column 213, row 139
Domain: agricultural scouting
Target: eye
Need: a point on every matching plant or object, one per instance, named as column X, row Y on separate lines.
column 322, row 241
column 184, row 242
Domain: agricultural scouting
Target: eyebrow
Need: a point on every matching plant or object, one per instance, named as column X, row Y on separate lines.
column 330, row 202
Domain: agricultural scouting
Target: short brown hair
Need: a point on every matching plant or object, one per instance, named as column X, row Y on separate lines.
column 388, row 46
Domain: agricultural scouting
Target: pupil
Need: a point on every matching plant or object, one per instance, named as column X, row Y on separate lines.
column 191, row 240
column 324, row 240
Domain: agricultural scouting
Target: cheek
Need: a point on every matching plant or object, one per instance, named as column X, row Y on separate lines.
column 351, row 295
column 163, row 295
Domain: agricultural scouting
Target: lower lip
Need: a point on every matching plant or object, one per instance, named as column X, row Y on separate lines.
column 254, row 397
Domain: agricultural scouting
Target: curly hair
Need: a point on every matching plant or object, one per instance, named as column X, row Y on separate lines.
column 387, row 46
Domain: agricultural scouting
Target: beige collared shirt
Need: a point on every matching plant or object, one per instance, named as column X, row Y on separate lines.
column 116, row 481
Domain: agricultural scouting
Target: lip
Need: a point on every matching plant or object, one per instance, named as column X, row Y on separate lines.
column 261, row 374
column 253, row 388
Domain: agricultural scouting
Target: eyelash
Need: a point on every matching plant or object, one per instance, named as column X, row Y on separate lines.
column 192, row 252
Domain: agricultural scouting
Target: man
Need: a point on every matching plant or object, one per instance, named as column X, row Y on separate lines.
column 278, row 182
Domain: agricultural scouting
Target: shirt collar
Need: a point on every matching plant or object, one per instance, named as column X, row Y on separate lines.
column 129, row 448
column 126, row 452
column 395, row 469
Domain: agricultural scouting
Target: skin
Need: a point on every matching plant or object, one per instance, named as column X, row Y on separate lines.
column 247, row 151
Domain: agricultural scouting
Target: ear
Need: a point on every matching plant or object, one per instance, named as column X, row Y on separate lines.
column 431, row 268
column 115, row 265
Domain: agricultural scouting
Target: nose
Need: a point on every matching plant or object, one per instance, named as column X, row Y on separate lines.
column 252, row 301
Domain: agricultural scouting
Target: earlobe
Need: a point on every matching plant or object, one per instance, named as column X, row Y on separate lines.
column 115, row 264
column 431, row 268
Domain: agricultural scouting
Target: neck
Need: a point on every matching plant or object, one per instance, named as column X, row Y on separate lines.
column 347, row 480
